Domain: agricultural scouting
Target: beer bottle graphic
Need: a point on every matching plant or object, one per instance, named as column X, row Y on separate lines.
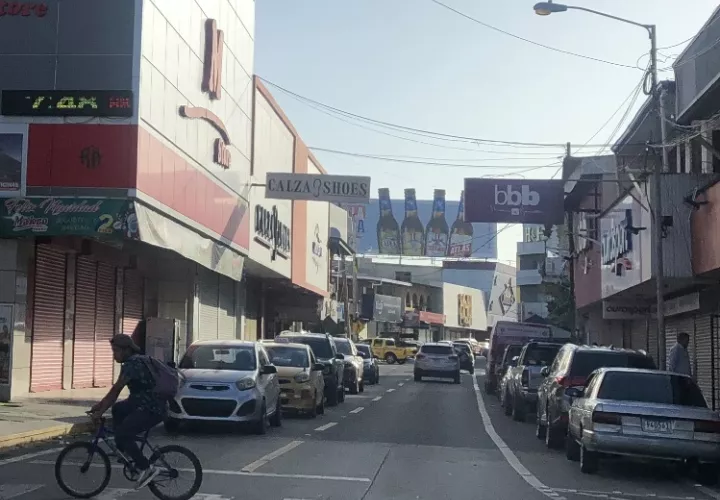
column 461, row 234
column 388, row 230
column 437, row 231
column 412, row 229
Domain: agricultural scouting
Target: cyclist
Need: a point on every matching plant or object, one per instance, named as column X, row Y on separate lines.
column 140, row 412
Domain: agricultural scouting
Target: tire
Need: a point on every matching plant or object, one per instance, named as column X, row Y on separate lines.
column 553, row 438
column 276, row 419
column 313, row 412
column 172, row 425
column 390, row 358
column 341, row 394
column 401, row 361
column 540, row 429
column 261, row 426
column 588, row 461
column 507, row 405
column 362, row 386
column 418, row 377
column 377, row 377
column 321, row 406
column 572, row 448
column 707, row 474
column 333, row 396
column 355, row 387
column 157, row 490
column 90, row 448
column 518, row 410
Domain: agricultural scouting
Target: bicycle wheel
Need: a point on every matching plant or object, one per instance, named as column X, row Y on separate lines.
column 170, row 472
column 66, row 463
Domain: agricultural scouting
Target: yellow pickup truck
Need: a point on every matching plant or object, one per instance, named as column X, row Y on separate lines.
column 391, row 350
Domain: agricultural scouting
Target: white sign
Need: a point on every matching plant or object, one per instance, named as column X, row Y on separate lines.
column 627, row 310
column 508, row 329
column 314, row 187
column 514, row 198
column 681, row 305
column 616, row 242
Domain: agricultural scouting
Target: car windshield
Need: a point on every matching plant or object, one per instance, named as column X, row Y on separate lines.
column 321, row 347
column 437, row 349
column 294, row 357
column 585, row 362
column 512, row 351
column 462, row 347
column 364, row 350
column 343, row 347
column 659, row 388
column 541, row 355
column 215, row 357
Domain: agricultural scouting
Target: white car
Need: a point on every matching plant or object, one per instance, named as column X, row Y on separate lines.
column 437, row 359
column 228, row 381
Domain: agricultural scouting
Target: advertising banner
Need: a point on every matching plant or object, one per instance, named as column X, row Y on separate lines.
column 12, row 160
column 381, row 308
column 420, row 228
column 515, row 201
column 314, row 187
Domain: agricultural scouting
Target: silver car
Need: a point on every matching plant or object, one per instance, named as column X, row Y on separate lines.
column 648, row 414
column 229, row 381
column 437, row 359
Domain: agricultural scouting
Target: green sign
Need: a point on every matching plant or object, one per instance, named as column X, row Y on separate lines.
column 43, row 216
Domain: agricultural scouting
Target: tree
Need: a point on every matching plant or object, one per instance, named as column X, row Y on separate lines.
column 561, row 305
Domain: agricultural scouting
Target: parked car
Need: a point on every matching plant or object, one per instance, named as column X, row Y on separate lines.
column 227, row 380
column 506, row 361
column 371, row 367
column 521, row 381
column 392, row 351
column 353, row 373
column 302, row 387
column 323, row 346
column 642, row 413
column 484, row 348
column 437, row 360
column 570, row 369
column 474, row 344
column 466, row 355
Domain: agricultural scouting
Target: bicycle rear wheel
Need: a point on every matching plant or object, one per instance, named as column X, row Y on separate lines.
column 78, row 457
column 170, row 472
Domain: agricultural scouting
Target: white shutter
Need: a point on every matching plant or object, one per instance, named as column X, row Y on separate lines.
column 208, row 295
column 226, row 309
column 701, row 358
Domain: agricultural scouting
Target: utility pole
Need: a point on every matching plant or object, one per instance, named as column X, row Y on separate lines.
column 571, row 250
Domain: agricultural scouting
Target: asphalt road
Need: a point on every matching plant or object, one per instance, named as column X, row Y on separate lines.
column 399, row 440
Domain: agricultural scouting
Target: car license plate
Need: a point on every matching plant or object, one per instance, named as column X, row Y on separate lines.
column 664, row 426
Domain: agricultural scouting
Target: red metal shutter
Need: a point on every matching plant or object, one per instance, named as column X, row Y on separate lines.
column 84, row 344
column 104, row 325
column 132, row 301
column 46, row 367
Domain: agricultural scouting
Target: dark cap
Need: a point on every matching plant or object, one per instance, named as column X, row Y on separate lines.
column 124, row 342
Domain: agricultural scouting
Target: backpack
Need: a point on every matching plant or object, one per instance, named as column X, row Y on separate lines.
column 167, row 379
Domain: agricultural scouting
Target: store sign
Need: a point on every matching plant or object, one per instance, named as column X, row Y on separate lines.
column 617, row 241
column 384, row 308
column 68, row 216
column 432, row 318
column 520, row 201
column 616, row 309
column 507, row 298
column 23, row 9
column 318, row 187
column 88, row 103
column 316, row 247
column 272, row 233
column 682, row 305
column 12, row 169
column 464, row 310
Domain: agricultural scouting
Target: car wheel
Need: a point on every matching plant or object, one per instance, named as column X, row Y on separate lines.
column 707, row 474
column 276, row 419
column 418, row 377
column 362, row 386
column 540, row 429
column 507, row 404
column 457, row 378
column 313, row 412
column 321, row 407
column 341, row 394
column 333, row 397
column 518, row 410
column 172, row 425
column 261, row 426
column 401, row 361
column 588, row 461
column 355, row 387
column 572, row 448
column 377, row 377
column 390, row 358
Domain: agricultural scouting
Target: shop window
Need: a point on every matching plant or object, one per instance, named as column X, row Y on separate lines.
column 407, row 300
column 414, row 301
column 422, row 303
column 427, row 304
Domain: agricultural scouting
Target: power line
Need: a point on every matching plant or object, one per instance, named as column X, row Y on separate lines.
column 532, row 42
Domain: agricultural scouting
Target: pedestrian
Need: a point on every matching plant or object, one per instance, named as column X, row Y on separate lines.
column 678, row 360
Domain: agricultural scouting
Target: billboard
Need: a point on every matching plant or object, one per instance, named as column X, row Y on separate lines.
column 515, row 201
column 420, row 228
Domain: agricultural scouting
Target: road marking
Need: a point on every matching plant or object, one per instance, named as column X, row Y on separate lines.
column 358, row 409
column 28, row 456
column 510, row 457
column 326, row 426
column 401, row 384
column 9, row 491
column 235, row 473
column 252, row 467
column 377, row 398
column 390, row 390
column 609, row 494
column 709, row 492
column 114, row 493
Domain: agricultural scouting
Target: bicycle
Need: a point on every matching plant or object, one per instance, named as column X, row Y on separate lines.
column 157, row 458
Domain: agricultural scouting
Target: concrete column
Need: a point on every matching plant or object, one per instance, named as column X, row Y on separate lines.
column 705, row 155
column 69, row 333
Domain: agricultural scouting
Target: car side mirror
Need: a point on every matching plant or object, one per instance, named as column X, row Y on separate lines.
column 545, row 371
column 171, row 364
column 268, row 370
column 514, row 361
column 574, row 392
column 318, row 367
column 339, row 356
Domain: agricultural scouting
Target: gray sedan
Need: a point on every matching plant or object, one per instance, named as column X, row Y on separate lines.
column 645, row 414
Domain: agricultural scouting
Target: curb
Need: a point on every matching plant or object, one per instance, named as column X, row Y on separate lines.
column 45, row 434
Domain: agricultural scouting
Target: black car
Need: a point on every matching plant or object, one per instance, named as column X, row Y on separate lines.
column 371, row 371
column 467, row 356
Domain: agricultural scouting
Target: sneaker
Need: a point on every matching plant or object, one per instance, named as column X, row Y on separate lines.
column 146, row 477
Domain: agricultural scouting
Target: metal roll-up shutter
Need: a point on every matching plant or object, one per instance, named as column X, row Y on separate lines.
column 639, row 334
column 104, row 325
column 84, row 338
column 208, row 294
column 226, row 309
column 701, row 358
column 46, row 367
column 132, row 301
column 652, row 341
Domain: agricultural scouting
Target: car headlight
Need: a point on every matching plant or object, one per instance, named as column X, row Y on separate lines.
column 302, row 377
column 245, row 384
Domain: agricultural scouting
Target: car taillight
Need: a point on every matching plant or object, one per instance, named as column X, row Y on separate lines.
column 420, row 356
column 707, row 426
column 525, row 377
column 570, row 381
column 453, row 357
column 601, row 417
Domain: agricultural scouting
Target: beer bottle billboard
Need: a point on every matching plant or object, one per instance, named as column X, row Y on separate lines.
column 388, row 230
column 412, row 229
column 461, row 233
column 437, row 231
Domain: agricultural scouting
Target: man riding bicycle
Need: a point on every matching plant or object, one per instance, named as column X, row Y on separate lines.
column 140, row 412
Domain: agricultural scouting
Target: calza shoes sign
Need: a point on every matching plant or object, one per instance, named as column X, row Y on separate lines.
column 315, row 187
column 521, row 201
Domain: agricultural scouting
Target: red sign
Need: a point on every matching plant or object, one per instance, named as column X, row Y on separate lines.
column 23, row 9
column 432, row 318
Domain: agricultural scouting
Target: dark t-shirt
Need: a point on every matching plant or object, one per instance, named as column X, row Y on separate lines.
column 141, row 385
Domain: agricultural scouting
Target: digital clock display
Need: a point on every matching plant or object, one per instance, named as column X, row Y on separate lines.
column 90, row 103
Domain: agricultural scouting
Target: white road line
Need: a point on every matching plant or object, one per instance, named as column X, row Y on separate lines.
column 9, row 491
column 377, row 398
column 358, row 409
column 28, row 456
column 401, row 384
column 709, row 492
column 114, row 493
column 390, row 390
column 252, row 467
column 326, row 426
column 510, row 457
column 609, row 494
column 238, row 473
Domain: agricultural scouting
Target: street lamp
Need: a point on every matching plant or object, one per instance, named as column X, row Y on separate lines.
column 547, row 8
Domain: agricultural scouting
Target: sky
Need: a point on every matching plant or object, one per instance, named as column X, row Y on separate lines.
column 417, row 64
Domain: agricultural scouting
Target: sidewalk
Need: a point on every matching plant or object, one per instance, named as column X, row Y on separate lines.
column 46, row 415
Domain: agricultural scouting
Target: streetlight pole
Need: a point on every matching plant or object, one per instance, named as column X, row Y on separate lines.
column 547, row 8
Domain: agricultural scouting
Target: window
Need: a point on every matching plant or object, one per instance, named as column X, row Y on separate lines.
column 294, row 357
column 586, row 362
column 390, row 343
column 377, row 343
column 422, row 303
column 343, row 347
column 263, row 358
column 541, row 355
column 407, row 300
column 214, row 357
column 427, row 304
column 321, row 347
column 414, row 300
column 437, row 349
column 364, row 349
column 592, row 383
column 658, row 388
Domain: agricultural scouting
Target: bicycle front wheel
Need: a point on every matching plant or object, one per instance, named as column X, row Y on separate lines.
column 82, row 462
column 177, row 465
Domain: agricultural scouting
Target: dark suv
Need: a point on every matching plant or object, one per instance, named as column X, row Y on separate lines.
column 571, row 367
column 323, row 346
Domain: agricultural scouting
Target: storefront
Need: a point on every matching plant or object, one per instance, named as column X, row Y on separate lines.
column 464, row 312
